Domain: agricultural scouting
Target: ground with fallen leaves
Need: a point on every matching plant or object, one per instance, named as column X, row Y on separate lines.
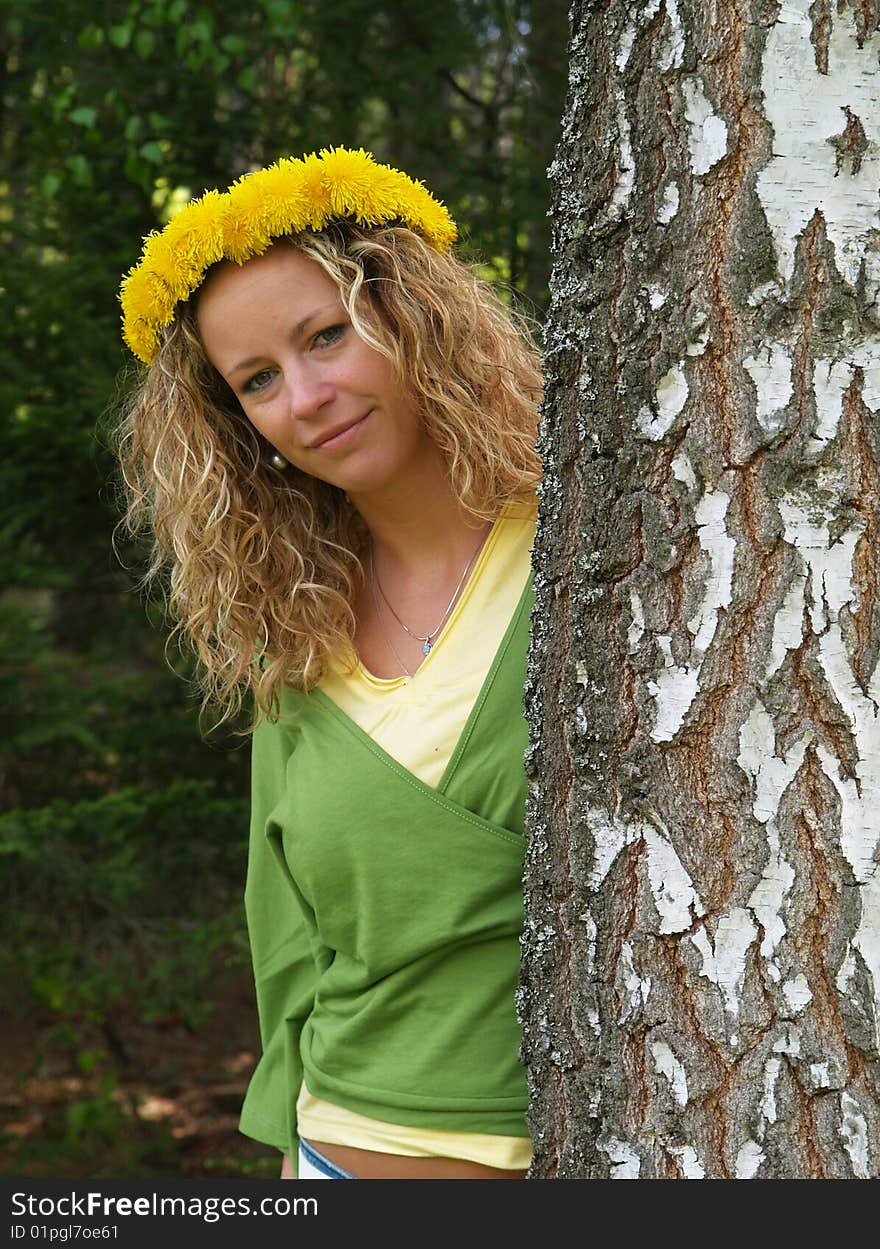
column 80, row 1101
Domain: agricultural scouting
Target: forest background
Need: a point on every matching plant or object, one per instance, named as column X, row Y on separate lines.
column 130, row 1028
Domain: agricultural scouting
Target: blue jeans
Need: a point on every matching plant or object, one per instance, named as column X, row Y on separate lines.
column 314, row 1166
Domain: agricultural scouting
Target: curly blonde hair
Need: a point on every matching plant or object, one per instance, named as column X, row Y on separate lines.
column 263, row 568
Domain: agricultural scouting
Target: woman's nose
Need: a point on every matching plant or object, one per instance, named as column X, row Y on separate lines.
column 308, row 392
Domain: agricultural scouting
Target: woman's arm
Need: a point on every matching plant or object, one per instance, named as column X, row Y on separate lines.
column 286, row 1168
column 281, row 948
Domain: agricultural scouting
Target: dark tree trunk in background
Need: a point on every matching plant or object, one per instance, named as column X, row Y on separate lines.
column 702, row 954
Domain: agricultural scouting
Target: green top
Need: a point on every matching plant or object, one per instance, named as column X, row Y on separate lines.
column 385, row 917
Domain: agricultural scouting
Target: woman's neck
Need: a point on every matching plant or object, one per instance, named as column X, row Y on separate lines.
column 421, row 526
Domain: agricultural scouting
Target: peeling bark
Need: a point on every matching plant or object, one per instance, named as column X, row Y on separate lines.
column 700, row 991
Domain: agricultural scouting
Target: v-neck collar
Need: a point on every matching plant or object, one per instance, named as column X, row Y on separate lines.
column 464, row 737
column 388, row 684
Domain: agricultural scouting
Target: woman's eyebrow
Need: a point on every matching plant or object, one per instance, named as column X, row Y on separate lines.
column 297, row 330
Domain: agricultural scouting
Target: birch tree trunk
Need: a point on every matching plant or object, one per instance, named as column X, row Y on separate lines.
column 701, row 978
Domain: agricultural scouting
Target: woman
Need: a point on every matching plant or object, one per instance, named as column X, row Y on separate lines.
column 334, row 447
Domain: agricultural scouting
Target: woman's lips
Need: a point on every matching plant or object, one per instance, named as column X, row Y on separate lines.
column 339, row 441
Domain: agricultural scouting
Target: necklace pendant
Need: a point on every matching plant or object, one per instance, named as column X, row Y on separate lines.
column 426, row 647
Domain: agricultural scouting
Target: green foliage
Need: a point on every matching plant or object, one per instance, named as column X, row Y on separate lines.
column 125, row 900
column 123, row 851
column 86, row 722
column 98, row 1117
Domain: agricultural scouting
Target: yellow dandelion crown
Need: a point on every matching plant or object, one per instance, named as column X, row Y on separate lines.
column 240, row 223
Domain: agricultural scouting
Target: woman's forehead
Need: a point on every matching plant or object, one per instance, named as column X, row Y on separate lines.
column 282, row 269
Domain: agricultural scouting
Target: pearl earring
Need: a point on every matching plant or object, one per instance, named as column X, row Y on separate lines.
column 277, row 460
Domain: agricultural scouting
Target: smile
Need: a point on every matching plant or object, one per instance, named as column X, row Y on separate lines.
column 341, row 439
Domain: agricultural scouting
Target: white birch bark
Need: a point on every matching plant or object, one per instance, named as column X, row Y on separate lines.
column 701, row 977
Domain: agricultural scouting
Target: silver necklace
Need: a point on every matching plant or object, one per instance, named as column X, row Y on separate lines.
column 381, row 626
column 427, row 640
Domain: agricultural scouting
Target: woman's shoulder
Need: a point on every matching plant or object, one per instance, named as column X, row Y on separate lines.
column 291, row 704
column 515, row 531
column 522, row 509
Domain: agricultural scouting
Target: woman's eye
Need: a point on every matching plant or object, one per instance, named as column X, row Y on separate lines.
column 259, row 381
column 332, row 334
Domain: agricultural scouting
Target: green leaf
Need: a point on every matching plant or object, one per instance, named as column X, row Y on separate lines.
column 87, row 1060
column 120, row 36
column 202, row 29
column 152, row 152
column 91, row 37
column 233, row 44
column 80, row 168
column 85, row 116
column 144, row 44
column 50, row 184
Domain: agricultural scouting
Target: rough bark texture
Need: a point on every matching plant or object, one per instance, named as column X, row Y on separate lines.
column 702, row 951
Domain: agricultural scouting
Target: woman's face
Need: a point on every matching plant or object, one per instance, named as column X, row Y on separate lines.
column 276, row 329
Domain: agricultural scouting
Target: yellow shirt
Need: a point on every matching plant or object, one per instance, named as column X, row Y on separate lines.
column 418, row 721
